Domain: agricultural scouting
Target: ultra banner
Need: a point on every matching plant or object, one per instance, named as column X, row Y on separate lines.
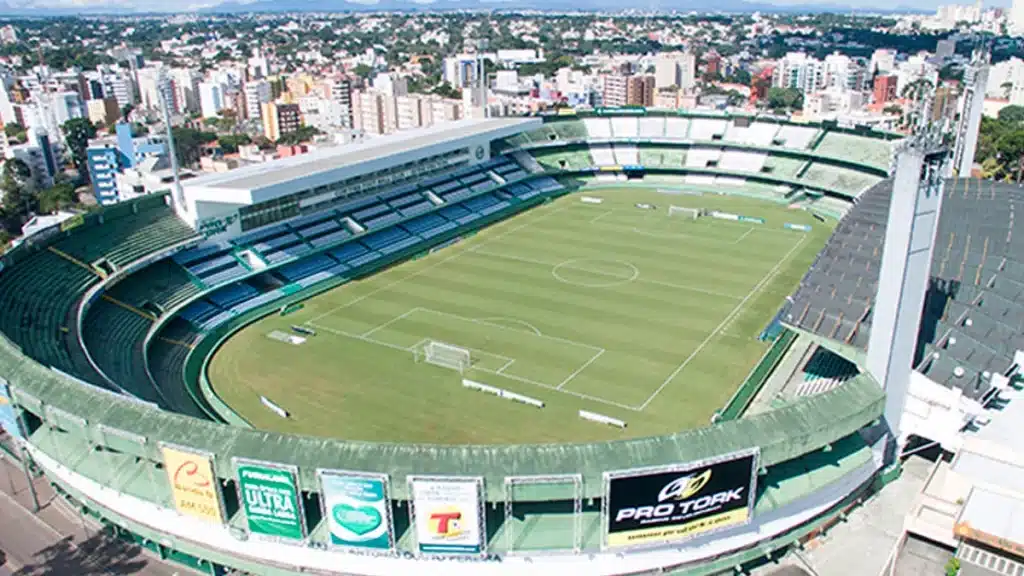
column 672, row 504
column 447, row 515
column 270, row 498
column 193, row 484
column 357, row 510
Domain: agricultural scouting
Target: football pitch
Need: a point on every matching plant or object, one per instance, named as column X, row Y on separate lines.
column 623, row 311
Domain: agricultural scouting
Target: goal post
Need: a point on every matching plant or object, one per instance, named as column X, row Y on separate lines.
column 444, row 355
column 688, row 213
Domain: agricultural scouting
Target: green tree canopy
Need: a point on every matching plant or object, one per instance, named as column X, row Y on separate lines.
column 77, row 133
column 1012, row 115
column 59, row 196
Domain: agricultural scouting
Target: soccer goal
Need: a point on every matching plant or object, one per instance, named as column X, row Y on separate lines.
column 688, row 213
column 444, row 355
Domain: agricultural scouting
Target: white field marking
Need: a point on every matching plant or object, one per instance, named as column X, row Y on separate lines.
column 432, row 266
column 499, row 326
column 580, row 369
column 757, row 288
column 744, row 235
column 599, row 216
column 532, row 328
column 504, row 366
column 389, row 322
column 599, row 273
column 498, row 372
column 616, row 279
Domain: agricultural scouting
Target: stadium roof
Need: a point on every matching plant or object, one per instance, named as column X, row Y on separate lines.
column 974, row 308
column 286, row 169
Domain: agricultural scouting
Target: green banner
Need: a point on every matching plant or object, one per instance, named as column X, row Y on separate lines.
column 270, row 498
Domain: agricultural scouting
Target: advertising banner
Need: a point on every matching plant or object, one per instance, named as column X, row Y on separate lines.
column 357, row 509
column 194, row 486
column 8, row 416
column 269, row 494
column 661, row 505
column 447, row 514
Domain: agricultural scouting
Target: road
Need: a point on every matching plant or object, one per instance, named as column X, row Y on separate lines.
column 57, row 541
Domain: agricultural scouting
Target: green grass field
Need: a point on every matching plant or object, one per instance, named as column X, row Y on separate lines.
column 605, row 307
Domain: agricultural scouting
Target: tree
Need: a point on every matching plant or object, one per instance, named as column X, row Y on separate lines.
column 126, row 112
column 16, row 131
column 446, row 90
column 1012, row 115
column 229, row 144
column 363, row 71
column 77, row 133
column 57, row 197
column 14, row 183
column 1010, row 152
column 785, row 99
column 188, row 144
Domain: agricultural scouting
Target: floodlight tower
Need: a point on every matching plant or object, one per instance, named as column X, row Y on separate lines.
column 178, row 195
column 918, row 179
column 975, row 79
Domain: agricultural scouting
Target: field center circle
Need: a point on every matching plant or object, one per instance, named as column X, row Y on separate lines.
column 562, row 272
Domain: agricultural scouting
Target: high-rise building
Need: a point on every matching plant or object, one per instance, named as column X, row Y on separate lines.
column 65, row 106
column 103, row 110
column 945, row 48
column 883, row 61
column 461, row 70
column 211, row 99
column 1017, row 17
column 279, row 119
column 640, row 91
column 369, row 112
column 675, row 69
column 843, row 72
column 257, row 94
column 185, row 82
column 884, row 89
column 613, row 91
column 800, row 71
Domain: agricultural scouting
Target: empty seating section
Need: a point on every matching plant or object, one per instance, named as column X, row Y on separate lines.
column 114, row 336
column 282, row 247
column 36, row 296
column 602, row 155
column 423, row 225
column 856, row 149
column 677, row 128
column 260, row 235
column 796, row 137
column 167, row 355
column 707, row 128
column 564, row 159
column 302, row 224
column 736, row 133
column 570, row 130
column 782, row 166
column 846, row 180
column 598, row 128
column 122, row 240
column 298, row 270
column 742, row 161
column 382, row 221
column 380, row 240
column 658, row 157
column 761, row 134
column 625, row 155
column 625, row 127
column 163, row 284
column 370, row 212
column 213, row 264
column 228, row 296
column 333, row 237
column 652, row 127
column 418, row 208
column 320, row 229
column 703, row 157
column 453, row 212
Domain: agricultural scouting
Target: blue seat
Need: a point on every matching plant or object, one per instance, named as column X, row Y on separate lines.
column 230, row 295
column 306, row 267
column 346, row 252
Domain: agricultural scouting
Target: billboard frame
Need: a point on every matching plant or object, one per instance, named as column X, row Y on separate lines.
column 576, row 480
column 386, row 481
column 610, row 475
column 224, row 520
column 293, row 471
column 481, row 512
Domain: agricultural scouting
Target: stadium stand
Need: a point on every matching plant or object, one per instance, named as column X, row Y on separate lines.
column 677, row 128
column 598, row 128
column 844, row 180
column 795, row 137
column 976, row 280
column 652, row 127
column 708, row 128
column 856, row 148
column 624, row 127
column 602, row 155
column 625, row 155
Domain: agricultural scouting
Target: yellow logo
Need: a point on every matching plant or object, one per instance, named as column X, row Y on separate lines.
column 446, row 523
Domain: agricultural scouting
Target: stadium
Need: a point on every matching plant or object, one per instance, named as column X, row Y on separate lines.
column 608, row 342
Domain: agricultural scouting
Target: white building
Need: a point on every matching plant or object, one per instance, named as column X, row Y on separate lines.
column 915, row 68
column 1017, row 17
column 185, row 82
column 256, row 94
column 800, row 71
column 65, row 106
column 1006, row 80
column 675, row 69
column 211, row 99
column 461, row 70
column 883, row 61
column 843, row 72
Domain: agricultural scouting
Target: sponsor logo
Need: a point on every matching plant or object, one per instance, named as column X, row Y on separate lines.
column 683, row 488
column 360, row 520
column 446, row 523
column 681, row 497
column 188, row 476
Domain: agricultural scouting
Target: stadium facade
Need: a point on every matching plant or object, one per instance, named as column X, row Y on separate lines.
column 109, row 321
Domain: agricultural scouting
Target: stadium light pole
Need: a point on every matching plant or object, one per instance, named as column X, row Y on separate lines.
column 178, row 196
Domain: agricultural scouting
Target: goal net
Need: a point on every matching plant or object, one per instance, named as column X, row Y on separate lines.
column 688, row 213
column 444, row 355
